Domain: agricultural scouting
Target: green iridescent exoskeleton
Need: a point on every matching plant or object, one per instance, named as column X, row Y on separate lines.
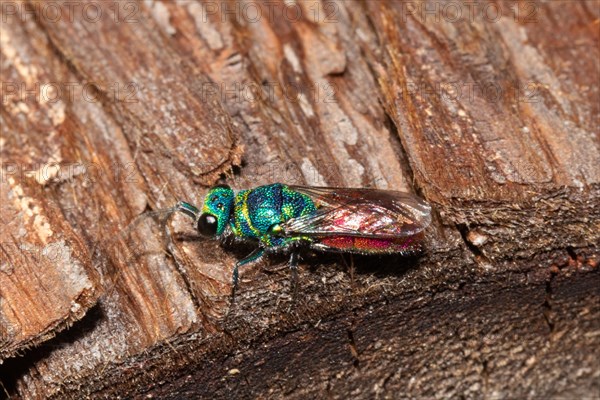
column 253, row 214
column 284, row 218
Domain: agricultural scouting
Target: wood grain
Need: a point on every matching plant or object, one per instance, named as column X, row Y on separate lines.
column 46, row 278
column 489, row 119
column 505, row 145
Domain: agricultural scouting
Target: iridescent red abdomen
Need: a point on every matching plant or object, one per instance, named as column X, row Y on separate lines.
column 366, row 245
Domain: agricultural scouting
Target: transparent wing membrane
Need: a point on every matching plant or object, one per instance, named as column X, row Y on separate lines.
column 361, row 213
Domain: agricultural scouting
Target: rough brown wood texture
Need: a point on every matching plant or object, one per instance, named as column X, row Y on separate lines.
column 45, row 285
column 46, row 280
column 115, row 108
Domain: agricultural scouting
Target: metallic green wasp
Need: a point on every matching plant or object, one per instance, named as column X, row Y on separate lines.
column 282, row 218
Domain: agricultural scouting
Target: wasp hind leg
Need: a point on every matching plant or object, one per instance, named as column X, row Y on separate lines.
column 293, row 264
column 294, row 270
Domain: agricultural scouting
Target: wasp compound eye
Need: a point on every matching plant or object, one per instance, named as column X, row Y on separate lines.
column 207, row 225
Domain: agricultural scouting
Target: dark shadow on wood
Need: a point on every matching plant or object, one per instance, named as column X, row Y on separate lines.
column 13, row 369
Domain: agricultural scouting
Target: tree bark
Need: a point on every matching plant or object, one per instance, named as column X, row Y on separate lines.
column 116, row 108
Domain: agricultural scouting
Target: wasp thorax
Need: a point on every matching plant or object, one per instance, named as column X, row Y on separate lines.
column 216, row 211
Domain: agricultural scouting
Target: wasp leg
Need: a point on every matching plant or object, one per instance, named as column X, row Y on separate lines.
column 294, row 271
column 255, row 255
column 187, row 209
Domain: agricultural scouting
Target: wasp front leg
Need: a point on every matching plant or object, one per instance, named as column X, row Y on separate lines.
column 254, row 256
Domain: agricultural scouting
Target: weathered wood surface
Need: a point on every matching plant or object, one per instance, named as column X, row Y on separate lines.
column 44, row 284
column 489, row 117
column 46, row 281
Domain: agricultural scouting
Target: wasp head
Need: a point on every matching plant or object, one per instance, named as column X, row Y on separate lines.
column 216, row 210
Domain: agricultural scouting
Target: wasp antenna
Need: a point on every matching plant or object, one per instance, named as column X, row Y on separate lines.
column 187, row 209
column 164, row 213
column 134, row 224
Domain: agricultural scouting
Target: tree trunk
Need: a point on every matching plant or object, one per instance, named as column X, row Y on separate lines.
column 489, row 111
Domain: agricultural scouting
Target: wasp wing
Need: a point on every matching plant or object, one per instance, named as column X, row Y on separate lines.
column 361, row 213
